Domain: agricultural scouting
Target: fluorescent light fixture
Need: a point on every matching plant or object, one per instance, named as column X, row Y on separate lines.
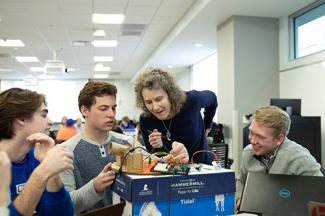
column 108, row 18
column 104, row 43
column 103, row 58
column 37, row 69
column 170, row 66
column 27, row 59
column 323, row 64
column 101, row 76
column 199, row 45
column 101, row 67
column 11, row 43
column 5, row 70
column 183, row 56
column 99, row 33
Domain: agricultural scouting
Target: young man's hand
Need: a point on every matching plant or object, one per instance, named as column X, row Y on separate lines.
column 43, row 144
column 104, row 179
column 56, row 160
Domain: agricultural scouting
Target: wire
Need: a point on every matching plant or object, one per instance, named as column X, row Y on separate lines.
column 125, row 156
column 205, row 151
column 167, row 140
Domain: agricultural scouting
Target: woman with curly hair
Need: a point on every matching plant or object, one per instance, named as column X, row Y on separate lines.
column 171, row 118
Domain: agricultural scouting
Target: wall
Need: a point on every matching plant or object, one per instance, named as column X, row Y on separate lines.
column 183, row 78
column 303, row 78
column 62, row 97
column 248, row 72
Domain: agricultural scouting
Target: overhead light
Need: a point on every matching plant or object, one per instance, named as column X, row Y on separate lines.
column 103, row 58
column 11, row 43
column 170, row 66
column 27, row 59
column 101, row 67
column 99, row 33
column 183, row 56
column 323, row 63
column 5, row 70
column 37, row 69
column 101, row 76
column 199, row 45
column 104, row 43
column 108, row 18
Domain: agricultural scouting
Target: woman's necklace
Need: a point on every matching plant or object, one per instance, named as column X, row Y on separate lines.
column 168, row 134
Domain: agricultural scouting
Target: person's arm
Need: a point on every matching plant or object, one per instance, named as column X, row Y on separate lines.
column 28, row 198
column 5, row 180
column 89, row 194
column 55, row 203
column 207, row 100
column 240, row 181
column 306, row 164
column 53, row 161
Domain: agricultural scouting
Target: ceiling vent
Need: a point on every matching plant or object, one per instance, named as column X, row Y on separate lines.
column 81, row 43
column 54, row 66
column 114, row 73
column 132, row 29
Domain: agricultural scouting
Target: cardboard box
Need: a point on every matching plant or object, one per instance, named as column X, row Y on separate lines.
column 208, row 193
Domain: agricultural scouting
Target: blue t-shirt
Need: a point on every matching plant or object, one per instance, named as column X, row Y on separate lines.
column 187, row 126
column 51, row 203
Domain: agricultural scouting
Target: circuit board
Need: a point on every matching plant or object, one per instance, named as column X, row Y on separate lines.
column 177, row 168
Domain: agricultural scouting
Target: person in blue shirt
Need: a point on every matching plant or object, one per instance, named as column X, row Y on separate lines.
column 172, row 119
column 35, row 187
column 126, row 123
column 5, row 167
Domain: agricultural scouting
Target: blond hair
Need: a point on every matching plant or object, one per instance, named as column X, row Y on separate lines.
column 273, row 117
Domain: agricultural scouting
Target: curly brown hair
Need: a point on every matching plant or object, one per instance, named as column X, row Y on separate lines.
column 159, row 79
column 17, row 103
column 94, row 89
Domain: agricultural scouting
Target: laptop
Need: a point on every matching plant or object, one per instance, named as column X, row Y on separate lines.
column 270, row 194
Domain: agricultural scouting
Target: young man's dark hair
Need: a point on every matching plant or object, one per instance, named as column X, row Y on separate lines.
column 17, row 103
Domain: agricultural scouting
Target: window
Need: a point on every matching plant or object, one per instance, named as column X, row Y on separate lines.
column 308, row 30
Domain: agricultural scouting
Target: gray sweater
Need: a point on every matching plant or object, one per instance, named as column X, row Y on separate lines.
column 289, row 158
column 89, row 160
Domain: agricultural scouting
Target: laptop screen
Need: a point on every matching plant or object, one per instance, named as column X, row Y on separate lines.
column 271, row 194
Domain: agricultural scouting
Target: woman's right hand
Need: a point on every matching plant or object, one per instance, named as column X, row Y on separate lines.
column 155, row 139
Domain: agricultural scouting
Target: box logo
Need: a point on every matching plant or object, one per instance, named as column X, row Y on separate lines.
column 145, row 191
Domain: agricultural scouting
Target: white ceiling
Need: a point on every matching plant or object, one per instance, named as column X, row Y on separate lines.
column 172, row 27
